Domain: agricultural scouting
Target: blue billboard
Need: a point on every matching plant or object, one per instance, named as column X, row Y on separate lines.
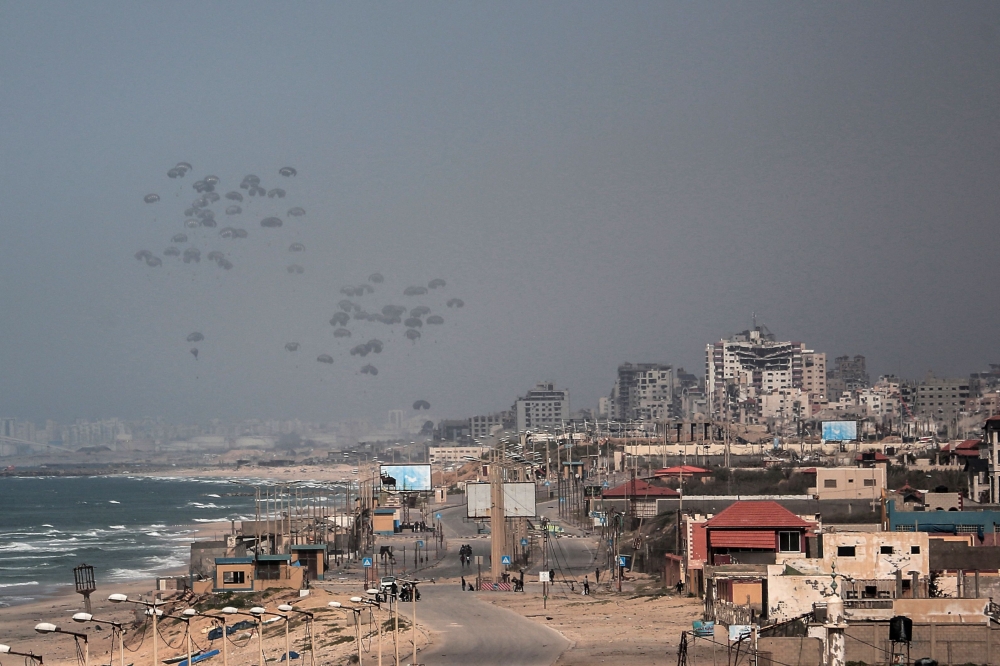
column 406, row 477
column 840, row 431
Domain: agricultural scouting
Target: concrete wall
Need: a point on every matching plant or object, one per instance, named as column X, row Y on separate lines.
column 947, row 643
column 791, row 596
column 849, row 482
column 869, row 561
column 792, row 651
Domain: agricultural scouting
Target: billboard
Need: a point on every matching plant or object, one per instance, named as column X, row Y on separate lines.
column 518, row 500
column 840, row 431
column 405, row 477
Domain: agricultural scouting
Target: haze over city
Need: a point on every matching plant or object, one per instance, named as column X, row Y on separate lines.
column 598, row 183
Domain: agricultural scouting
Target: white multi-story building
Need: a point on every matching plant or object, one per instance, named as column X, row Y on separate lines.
column 755, row 362
column 543, row 406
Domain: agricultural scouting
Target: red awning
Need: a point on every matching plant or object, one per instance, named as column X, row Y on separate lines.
column 763, row 539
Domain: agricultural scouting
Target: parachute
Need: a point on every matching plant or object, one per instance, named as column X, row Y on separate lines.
column 192, row 254
column 151, row 198
column 340, row 319
column 296, row 247
column 413, row 322
column 324, row 358
column 369, row 370
column 376, row 278
column 341, row 333
column 455, row 303
column 195, row 337
column 211, row 180
column 412, row 334
column 287, row 172
column 171, row 252
column 420, row 311
column 435, row 320
column 143, row 255
column 216, row 255
column 276, row 192
column 421, row 404
column 179, row 238
column 414, row 291
column 271, row 222
column 154, row 262
column 360, row 350
column 297, row 211
column 435, row 283
column 233, row 210
column 295, row 269
column 292, row 346
column 234, row 196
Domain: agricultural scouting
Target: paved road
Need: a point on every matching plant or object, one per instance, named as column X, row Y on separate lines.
column 471, row 631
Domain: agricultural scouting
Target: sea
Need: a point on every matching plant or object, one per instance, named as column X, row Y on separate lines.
column 126, row 527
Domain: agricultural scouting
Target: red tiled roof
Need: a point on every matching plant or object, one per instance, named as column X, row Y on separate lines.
column 755, row 514
column 681, row 469
column 969, row 444
column 640, row 489
column 742, row 539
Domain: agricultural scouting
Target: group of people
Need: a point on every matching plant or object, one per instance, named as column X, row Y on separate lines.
column 465, row 555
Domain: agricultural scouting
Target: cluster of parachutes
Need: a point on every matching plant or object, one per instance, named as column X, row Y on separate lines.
column 200, row 215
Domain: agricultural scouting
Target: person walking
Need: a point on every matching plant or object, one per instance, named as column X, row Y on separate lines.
column 586, row 587
column 463, row 583
column 597, row 575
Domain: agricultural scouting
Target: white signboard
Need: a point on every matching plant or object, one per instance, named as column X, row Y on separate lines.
column 543, row 577
column 518, row 500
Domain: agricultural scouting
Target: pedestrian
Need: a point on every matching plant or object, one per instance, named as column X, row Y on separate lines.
column 552, row 575
column 586, row 587
column 597, row 575
column 463, row 583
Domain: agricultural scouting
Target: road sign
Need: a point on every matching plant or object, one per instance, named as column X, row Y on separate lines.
column 437, row 516
column 420, row 543
column 543, row 577
column 524, row 542
column 505, row 559
column 366, row 561
column 622, row 561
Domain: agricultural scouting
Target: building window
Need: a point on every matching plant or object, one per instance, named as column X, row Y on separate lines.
column 789, row 542
column 869, row 482
column 829, row 483
column 905, row 528
column 914, row 550
column 886, row 550
column 845, row 551
column 233, row 577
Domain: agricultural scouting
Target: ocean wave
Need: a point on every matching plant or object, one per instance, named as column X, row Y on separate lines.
column 30, row 582
column 18, row 547
column 116, row 527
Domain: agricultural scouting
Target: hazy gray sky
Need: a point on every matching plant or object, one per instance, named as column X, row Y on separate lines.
column 600, row 182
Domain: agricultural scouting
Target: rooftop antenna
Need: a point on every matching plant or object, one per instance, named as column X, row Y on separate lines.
column 754, row 316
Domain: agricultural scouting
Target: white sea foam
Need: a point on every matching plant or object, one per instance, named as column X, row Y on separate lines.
column 30, row 582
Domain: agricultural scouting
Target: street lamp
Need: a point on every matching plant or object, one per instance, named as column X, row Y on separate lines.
column 6, row 649
column 288, row 608
column 413, row 625
column 230, row 610
column 375, row 603
column 150, row 606
column 191, row 612
column 116, row 628
column 357, row 622
column 48, row 628
column 260, row 611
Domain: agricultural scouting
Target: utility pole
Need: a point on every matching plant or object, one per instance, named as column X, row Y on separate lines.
column 498, row 532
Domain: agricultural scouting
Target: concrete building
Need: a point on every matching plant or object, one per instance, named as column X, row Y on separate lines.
column 542, row 406
column 756, row 362
column 991, row 449
column 643, row 392
column 942, row 399
column 484, row 425
column 455, row 454
column 850, row 482
column 814, row 373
